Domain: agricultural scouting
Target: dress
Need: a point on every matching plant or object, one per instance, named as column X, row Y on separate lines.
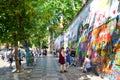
column 61, row 59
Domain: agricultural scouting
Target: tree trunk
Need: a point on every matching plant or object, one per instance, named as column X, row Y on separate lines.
column 18, row 67
column 39, row 44
column 7, row 46
column 16, row 39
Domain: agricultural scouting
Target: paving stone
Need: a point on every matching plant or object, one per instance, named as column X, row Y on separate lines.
column 51, row 71
column 52, row 75
column 21, row 76
column 61, row 78
column 36, row 76
column 48, row 69
column 36, row 79
column 22, row 79
column 37, row 72
column 37, row 69
column 52, row 78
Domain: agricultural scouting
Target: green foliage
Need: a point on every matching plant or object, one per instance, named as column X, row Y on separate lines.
column 64, row 8
column 28, row 19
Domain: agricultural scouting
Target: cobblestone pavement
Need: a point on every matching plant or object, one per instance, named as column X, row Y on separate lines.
column 47, row 68
column 75, row 73
column 5, row 70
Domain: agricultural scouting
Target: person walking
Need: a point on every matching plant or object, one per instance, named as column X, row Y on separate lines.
column 62, row 60
column 35, row 54
column 54, row 52
column 45, row 52
column 10, row 57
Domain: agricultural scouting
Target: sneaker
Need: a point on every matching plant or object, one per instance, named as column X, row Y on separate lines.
column 96, row 74
column 65, row 71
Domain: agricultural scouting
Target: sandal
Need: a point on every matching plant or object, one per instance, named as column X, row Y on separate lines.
column 61, row 71
column 65, row 71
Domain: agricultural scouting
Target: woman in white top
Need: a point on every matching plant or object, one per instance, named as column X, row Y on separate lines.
column 87, row 63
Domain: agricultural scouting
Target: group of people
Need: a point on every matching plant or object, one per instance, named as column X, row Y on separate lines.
column 43, row 52
column 11, row 55
column 34, row 54
column 31, row 58
column 68, row 57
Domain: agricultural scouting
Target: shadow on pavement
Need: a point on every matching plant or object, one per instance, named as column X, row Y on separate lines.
column 6, row 72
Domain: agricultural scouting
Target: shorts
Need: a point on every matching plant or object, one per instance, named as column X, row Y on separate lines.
column 11, row 60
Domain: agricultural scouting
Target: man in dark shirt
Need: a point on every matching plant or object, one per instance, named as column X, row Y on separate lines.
column 73, row 57
column 73, row 53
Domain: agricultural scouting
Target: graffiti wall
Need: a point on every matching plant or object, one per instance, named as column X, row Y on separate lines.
column 98, row 24
column 100, row 34
column 97, row 30
column 104, row 41
column 106, row 37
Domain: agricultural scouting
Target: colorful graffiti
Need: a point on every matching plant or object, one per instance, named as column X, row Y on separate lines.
column 105, row 41
column 103, row 33
column 98, row 33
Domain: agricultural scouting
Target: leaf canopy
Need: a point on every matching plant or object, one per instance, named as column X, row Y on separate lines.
column 30, row 19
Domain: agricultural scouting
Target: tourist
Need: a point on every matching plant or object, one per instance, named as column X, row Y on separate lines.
column 62, row 60
column 87, row 64
column 10, row 57
column 73, row 56
column 68, row 62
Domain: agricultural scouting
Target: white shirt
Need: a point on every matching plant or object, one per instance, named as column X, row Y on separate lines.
column 87, row 63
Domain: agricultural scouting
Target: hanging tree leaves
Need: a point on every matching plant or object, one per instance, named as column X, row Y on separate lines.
column 29, row 19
